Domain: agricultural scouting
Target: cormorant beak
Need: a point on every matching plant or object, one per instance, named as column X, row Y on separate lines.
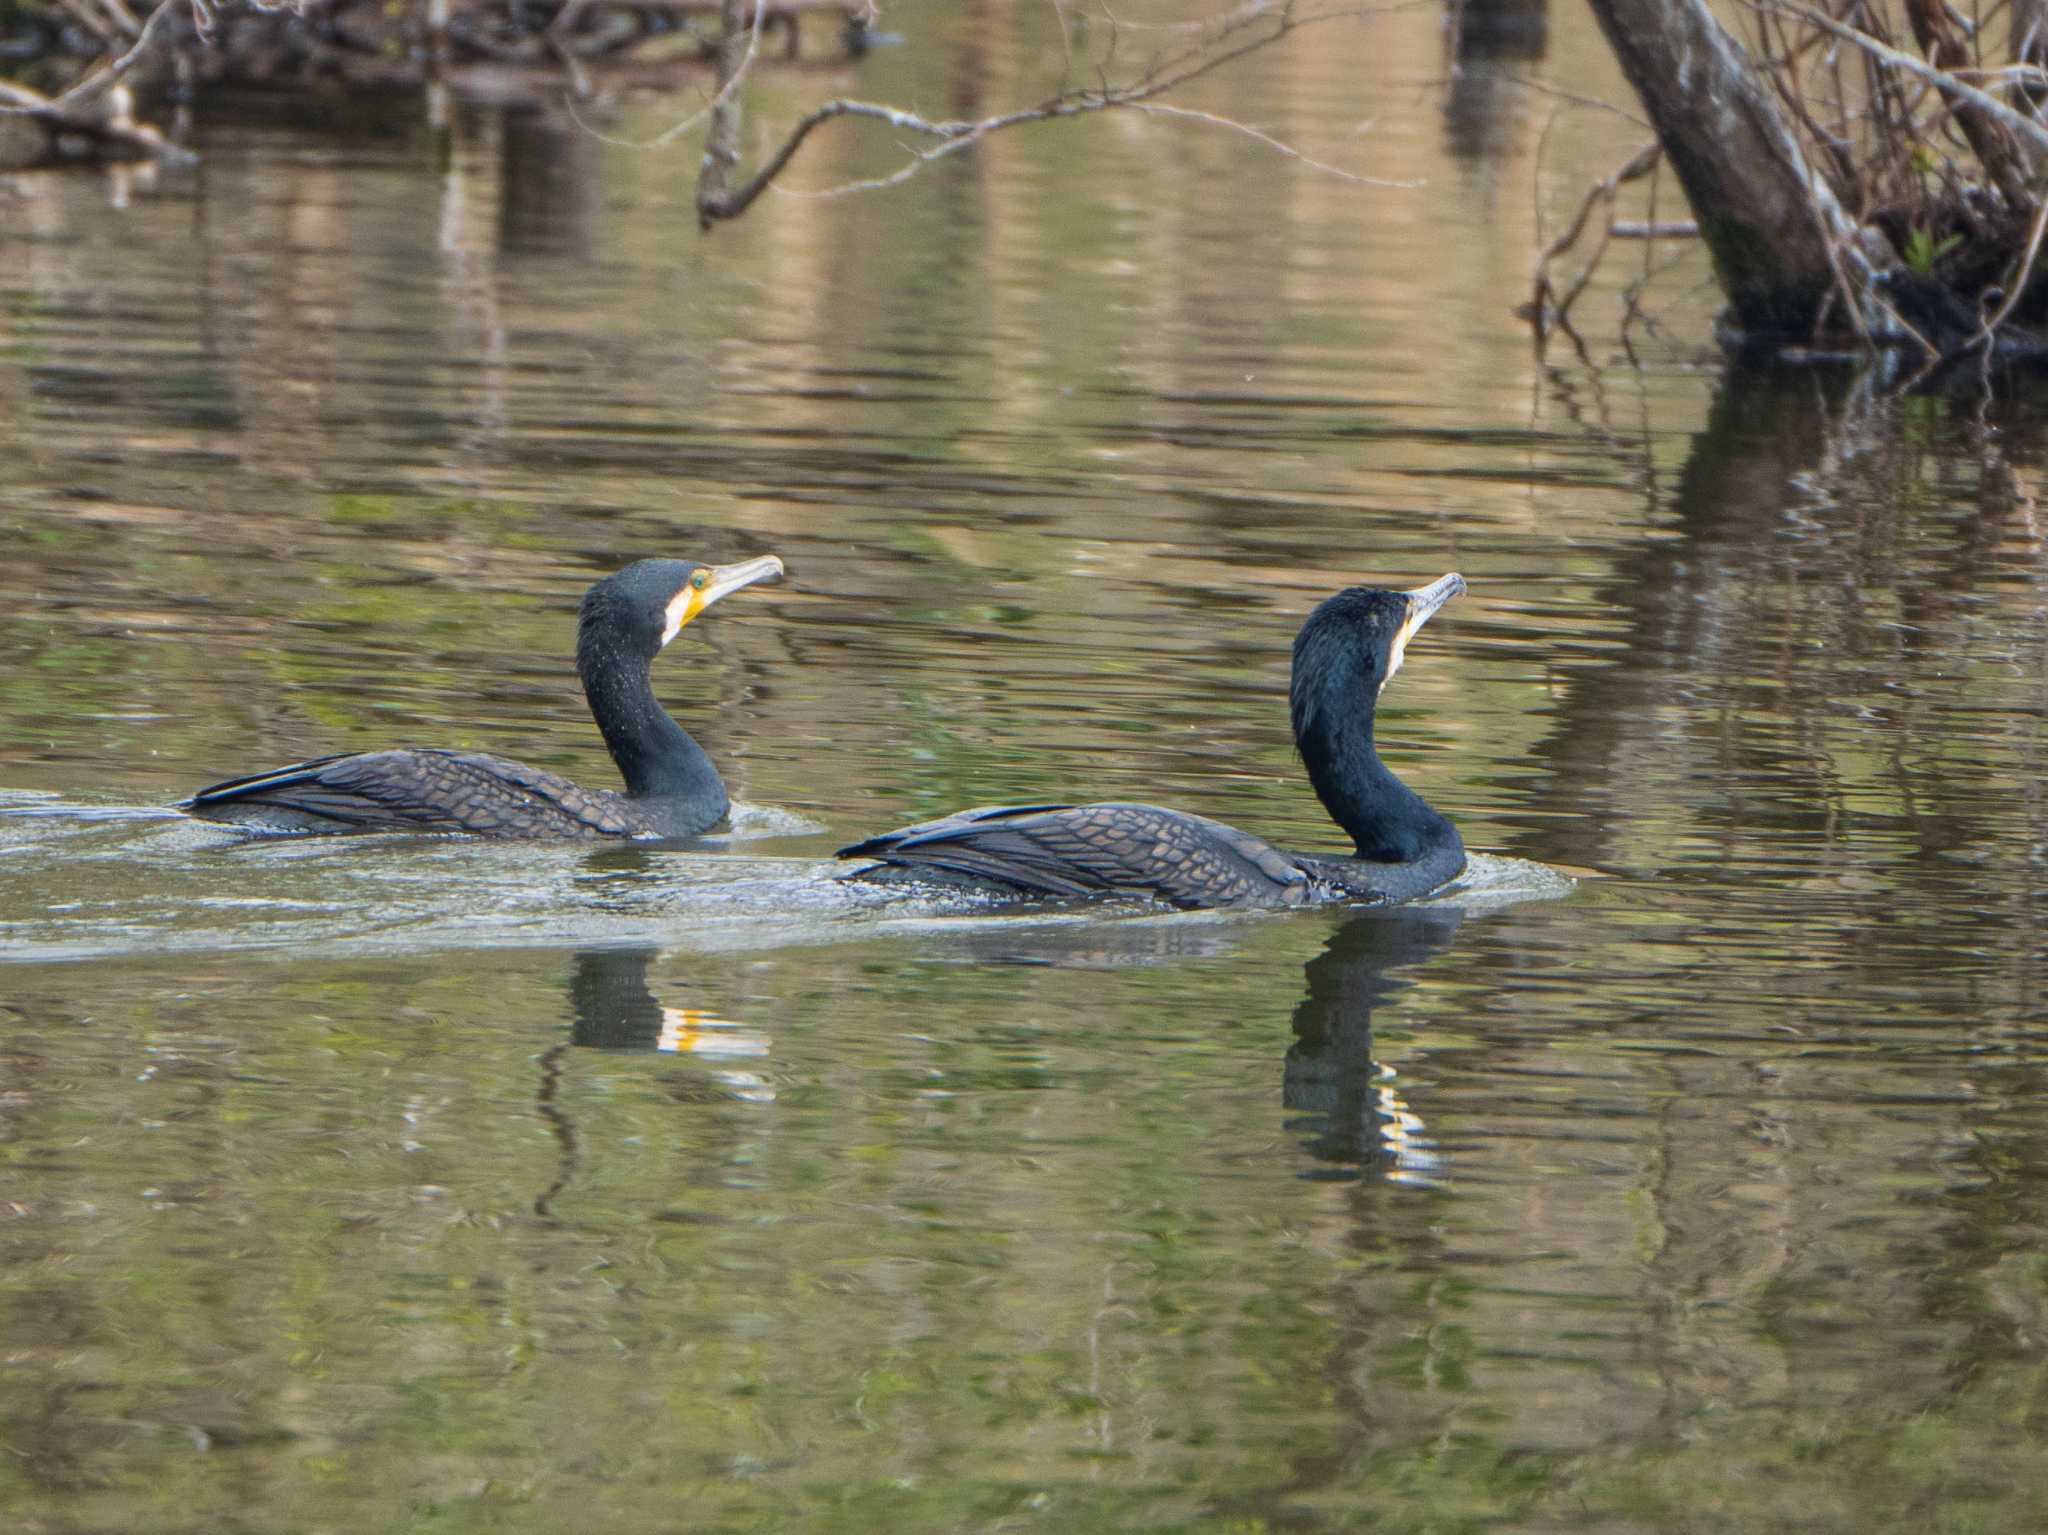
column 1422, row 602
column 717, row 581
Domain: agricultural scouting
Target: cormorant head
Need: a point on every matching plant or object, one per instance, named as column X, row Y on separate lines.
column 1354, row 643
column 639, row 610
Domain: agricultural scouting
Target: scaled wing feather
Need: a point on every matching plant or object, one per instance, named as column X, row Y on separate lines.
column 1077, row 850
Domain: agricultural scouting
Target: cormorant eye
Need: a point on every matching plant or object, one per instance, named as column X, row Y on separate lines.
column 699, row 579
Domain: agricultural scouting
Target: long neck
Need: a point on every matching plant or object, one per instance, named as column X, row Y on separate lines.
column 655, row 755
column 1387, row 821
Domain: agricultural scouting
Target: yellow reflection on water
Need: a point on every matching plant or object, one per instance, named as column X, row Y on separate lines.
column 689, row 1031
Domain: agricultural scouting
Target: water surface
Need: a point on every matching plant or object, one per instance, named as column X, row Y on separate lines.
column 408, row 1184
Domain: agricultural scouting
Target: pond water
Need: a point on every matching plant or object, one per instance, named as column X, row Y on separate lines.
column 414, row 1185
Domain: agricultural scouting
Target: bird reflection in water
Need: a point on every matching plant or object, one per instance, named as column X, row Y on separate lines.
column 616, row 1009
column 1354, row 1117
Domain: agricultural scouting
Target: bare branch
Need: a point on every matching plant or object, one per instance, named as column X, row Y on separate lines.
column 918, row 161
column 1573, row 98
column 1066, row 44
column 1237, row 15
column 1268, row 23
column 89, row 89
column 1545, row 304
column 87, row 107
column 123, row 17
column 1272, row 143
column 1654, row 229
column 1940, row 79
column 675, row 131
column 94, row 21
column 2021, row 276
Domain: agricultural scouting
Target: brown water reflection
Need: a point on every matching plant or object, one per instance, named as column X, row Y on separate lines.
column 349, row 1187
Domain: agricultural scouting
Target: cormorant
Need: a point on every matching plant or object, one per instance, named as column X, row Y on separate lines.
column 1347, row 651
column 672, row 788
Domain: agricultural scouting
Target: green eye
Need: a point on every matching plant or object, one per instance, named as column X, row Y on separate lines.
column 699, row 579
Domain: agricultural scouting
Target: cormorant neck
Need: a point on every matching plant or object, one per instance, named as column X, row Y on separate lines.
column 656, row 756
column 1387, row 821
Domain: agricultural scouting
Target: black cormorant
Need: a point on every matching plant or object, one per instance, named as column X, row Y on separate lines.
column 672, row 788
column 1345, row 654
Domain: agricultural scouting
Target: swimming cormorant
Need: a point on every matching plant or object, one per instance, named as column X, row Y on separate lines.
column 1345, row 654
column 672, row 788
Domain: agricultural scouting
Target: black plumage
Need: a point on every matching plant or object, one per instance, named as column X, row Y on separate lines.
column 672, row 787
column 1346, row 652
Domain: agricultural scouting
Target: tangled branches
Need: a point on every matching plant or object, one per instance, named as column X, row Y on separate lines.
column 1922, row 144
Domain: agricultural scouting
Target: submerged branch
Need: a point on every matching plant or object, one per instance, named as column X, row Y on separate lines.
column 1547, row 306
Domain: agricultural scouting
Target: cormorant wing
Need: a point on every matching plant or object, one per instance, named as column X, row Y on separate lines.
column 256, row 783
column 1073, row 851
column 425, row 790
column 944, row 826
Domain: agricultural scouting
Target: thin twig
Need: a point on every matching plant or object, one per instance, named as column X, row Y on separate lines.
column 919, row 159
column 579, row 77
column 1633, row 294
column 123, row 17
column 2019, row 283
column 1066, row 44
column 1573, row 98
column 72, row 110
column 1237, row 15
column 93, row 20
column 1654, row 229
column 1637, row 165
column 675, row 131
column 1160, row 76
column 1215, row 119
column 567, row 18
column 92, row 86
column 1940, row 79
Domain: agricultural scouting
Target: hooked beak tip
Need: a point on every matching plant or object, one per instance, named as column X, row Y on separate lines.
column 1425, row 600
column 1422, row 602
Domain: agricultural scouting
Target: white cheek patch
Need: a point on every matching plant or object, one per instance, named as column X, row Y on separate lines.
column 1396, row 653
column 678, row 614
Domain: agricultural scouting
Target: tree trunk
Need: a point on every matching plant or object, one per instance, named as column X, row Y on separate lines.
column 1769, row 221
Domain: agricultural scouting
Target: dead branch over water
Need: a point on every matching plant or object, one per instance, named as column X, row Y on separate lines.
column 1201, row 47
column 370, row 42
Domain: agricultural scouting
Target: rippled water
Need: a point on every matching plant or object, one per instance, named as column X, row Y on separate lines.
column 409, row 1184
column 91, row 883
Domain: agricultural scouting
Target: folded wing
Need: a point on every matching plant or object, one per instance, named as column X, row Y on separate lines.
column 417, row 790
column 1076, row 851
